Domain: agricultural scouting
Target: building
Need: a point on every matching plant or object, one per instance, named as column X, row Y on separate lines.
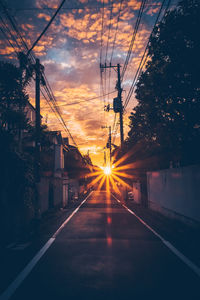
column 54, row 179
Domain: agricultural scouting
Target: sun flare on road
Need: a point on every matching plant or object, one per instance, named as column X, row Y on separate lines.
column 112, row 177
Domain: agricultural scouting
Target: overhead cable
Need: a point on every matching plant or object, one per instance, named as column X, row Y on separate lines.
column 46, row 88
column 133, row 38
column 144, row 56
column 47, row 26
column 116, row 31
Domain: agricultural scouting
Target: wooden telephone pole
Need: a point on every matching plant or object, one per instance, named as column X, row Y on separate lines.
column 38, row 76
column 118, row 105
column 37, row 120
column 108, row 145
column 119, row 89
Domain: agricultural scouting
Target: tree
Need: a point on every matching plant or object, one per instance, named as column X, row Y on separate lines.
column 26, row 68
column 166, row 117
column 16, row 176
column 13, row 99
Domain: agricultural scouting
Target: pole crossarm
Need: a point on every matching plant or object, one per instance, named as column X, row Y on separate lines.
column 105, row 66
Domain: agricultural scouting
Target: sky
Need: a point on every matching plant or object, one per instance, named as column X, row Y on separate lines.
column 71, row 52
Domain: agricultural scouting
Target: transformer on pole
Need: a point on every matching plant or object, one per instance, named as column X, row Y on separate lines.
column 117, row 102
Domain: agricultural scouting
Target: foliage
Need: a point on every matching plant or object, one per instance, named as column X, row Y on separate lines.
column 47, row 147
column 26, row 68
column 16, row 176
column 12, row 99
column 166, row 117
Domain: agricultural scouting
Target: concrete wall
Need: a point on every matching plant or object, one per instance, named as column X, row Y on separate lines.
column 58, row 191
column 53, row 193
column 136, row 192
column 65, row 191
column 175, row 191
column 73, row 189
column 44, row 194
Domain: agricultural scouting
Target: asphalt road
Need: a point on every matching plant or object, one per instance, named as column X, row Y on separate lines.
column 104, row 252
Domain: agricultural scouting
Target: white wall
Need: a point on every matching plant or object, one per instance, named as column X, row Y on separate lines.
column 59, row 157
column 176, row 190
column 65, row 191
column 136, row 192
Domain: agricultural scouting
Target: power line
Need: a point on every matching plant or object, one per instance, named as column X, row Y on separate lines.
column 102, row 92
column 109, row 29
column 47, row 26
column 7, row 39
column 116, row 125
column 66, row 8
column 116, row 30
column 52, row 97
column 115, row 36
column 5, row 29
column 54, row 109
column 102, row 29
column 141, row 65
column 77, row 102
column 144, row 56
column 133, row 37
column 13, row 23
column 107, row 45
column 113, row 45
column 46, row 86
column 135, row 77
column 114, row 40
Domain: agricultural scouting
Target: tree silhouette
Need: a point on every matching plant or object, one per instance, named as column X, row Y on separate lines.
column 16, row 176
column 168, row 91
column 13, row 99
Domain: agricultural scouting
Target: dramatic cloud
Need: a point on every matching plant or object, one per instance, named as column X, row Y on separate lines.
column 70, row 52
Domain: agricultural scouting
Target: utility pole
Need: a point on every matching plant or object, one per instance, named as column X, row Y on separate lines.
column 37, row 140
column 104, row 158
column 110, row 144
column 117, row 102
column 37, row 120
column 119, row 89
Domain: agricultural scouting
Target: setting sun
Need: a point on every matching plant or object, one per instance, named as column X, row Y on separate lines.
column 107, row 170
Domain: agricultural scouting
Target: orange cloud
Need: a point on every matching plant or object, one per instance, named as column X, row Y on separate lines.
column 6, row 50
column 70, row 53
column 47, row 3
column 44, row 16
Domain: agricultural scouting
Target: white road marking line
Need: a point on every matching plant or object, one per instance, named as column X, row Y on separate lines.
column 180, row 255
column 26, row 271
column 69, row 218
column 20, row 246
column 19, row 279
column 10, row 245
